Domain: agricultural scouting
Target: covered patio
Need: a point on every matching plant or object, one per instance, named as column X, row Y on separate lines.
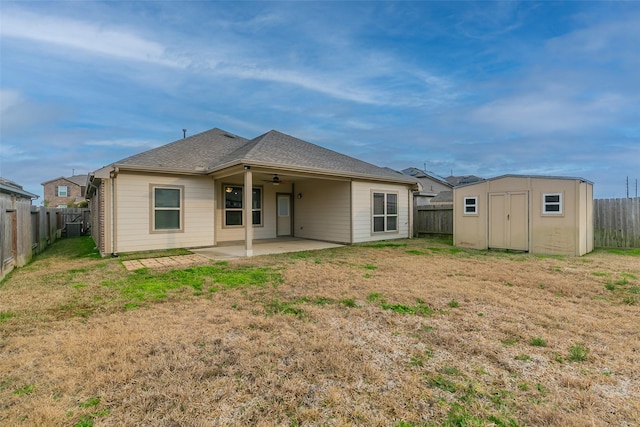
column 263, row 247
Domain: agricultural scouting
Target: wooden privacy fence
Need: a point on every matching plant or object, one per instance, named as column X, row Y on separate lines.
column 433, row 220
column 616, row 223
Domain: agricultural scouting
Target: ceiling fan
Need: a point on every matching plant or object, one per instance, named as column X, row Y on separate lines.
column 275, row 180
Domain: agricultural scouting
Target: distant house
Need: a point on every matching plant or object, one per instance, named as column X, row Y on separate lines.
column 64, row 192
column 537, row 214
column 205, row 189
column 429, row 185
column 15, row 226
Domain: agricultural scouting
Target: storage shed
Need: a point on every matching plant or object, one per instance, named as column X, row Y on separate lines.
column 537, row 214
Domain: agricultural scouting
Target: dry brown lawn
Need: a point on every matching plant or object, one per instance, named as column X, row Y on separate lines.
column 409, row 335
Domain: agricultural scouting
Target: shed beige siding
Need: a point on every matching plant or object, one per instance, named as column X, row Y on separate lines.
column 133, row 213
column 323, row 211
column 569, row 232
column 362, row 214
column 470, row 230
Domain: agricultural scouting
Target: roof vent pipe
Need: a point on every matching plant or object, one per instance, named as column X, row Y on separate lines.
column 184, row 133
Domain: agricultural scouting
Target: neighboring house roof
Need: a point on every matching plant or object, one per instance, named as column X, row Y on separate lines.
column 75, row 179
column 217, row 149
column 572, row 178
column 10, row 187
column 81, row 180
column 462, row 180
column 443, row 197
column 420, row 174
column 426, row 179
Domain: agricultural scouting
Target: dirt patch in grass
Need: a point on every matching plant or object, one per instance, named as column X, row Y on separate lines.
column 410, row 334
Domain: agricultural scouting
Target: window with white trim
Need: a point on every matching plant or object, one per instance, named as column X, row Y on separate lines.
column 233, row 201
column 385, row 212
column 63, row 191
column 167, row 208
column 552, row 203
column 471, row 205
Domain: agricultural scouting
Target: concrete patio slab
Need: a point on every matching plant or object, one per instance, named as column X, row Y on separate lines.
column 264, row 247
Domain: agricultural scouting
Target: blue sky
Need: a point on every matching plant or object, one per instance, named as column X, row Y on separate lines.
column 483, row 88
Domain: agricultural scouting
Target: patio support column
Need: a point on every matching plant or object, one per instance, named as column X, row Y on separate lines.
column 248, row 217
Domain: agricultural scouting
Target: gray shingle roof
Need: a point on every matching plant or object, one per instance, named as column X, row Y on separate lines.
column 216, row 149
column 197, row 152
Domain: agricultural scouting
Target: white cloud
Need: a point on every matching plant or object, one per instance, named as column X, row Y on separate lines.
column 91, row 37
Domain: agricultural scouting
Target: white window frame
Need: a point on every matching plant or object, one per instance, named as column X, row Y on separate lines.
column 473, row 205
column 386, row 214
column 546, row 204
column 241, row 208
column 154, row 208
column 60, row 193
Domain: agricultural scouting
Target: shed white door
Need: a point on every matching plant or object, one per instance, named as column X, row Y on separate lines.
column 284, row 215
column 509, row 220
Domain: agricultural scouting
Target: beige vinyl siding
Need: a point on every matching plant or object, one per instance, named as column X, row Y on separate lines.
column 323, row 211
column 362, row 211
column 134, row 212
column 268, row 228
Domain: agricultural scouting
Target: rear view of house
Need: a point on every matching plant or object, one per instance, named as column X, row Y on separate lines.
column 217, row 187
column 538, row 214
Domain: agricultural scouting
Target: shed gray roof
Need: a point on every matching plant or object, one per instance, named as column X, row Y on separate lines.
column 10, row 187
column 216, row 149
column 573, row 178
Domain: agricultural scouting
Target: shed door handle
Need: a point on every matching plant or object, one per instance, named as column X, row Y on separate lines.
column 507, row 217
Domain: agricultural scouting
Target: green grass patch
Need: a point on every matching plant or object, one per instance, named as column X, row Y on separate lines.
column 349, row 302
column 25, row 389
column 453, row 304
column 370, row 267
column 89, row 403
column 523, row 357
column 374, row 296
column 78, row 247
column 416, row 252
column 450, row 370
column 629, row 276
column 610, row 286
column 323, row 301
column 578, row 353
column 442, row 383
column 537, row 342
column 622, row 282
column 446, row 250
column 420, row 309
column 381, row 245
column 146, row 285
column 275, row 307
column 6, row 315
column 509, row 341
column 621, row 251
